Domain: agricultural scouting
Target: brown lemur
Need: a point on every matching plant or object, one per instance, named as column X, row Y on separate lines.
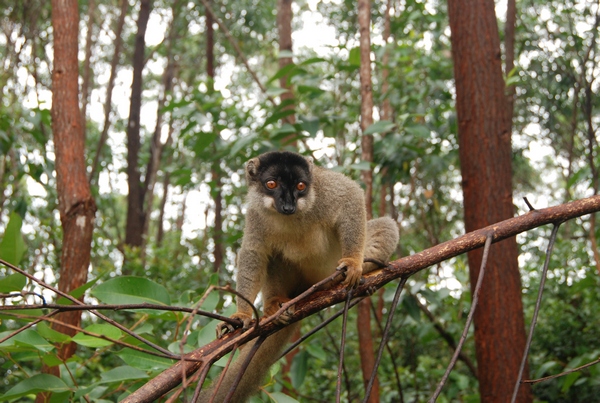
column 302, row 222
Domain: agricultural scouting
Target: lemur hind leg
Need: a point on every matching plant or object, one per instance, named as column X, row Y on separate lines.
column 381, row 241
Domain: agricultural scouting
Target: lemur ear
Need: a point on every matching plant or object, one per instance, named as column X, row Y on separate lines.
column 252, row 168
column 311, row 163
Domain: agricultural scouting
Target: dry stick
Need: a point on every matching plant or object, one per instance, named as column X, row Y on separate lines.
column 238, row 51
column 98, row 314
column 536, row 311
column 235, row 384
column 169, row 379
column 385, row 336
column 338, row 388
column 463, row 337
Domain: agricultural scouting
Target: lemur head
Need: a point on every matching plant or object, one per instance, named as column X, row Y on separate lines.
column 282, row 180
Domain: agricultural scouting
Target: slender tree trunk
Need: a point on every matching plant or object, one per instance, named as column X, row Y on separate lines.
column 118, row 44
column 135, row 199
column 284, row 26
column 215, row 169
column 365, row 335
column 485, row 157
column 366, row 93
column 75, row 202
column 87, row 71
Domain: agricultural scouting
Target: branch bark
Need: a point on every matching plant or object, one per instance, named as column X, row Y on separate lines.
column 320, row 300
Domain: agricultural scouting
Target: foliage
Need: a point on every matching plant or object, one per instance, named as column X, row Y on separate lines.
column 556, row 100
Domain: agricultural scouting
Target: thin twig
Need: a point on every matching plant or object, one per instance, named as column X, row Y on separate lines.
column 570, row 371
column 338, row 390
column 98, row 314
column 463, row 337
column 531, row 208
column 242, row 370
column 395, row 365
column 447, row 337
column 319, row 327
column 120, row 307
column 536, row 311
column 385, row 336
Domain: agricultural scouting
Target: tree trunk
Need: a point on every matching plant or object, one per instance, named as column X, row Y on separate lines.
column 365, row 335
column 366, row 94
column 284, row 26
column 485, row 157
column 75, row 202
column 109, row 89
column 87, row 71
column 135, row 199
column 215, row 170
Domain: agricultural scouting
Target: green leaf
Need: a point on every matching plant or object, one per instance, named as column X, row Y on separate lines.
column 382, row 126
column 28, row 338
column 312, row 60
column 354, row 57
column 276, row 91
column 143, row 361
column 316, row 351
column 361, row 166
column 207, row 333
column 278, row 115
column 35, row 384
column 203, row 140
column 50, row 334
column 418, row 131
column 99, row 329
column 569, row 380
column 310, row 125
column 299, row 369
column 282, row 72
column 12, row 282
column 121, row 374
column 279, row 397
column 12, row 246
column 131, row 290
column 283, row 131
column 242, row 142
column 76, row 293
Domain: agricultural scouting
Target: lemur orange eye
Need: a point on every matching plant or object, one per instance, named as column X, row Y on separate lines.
column 271, row 184
column 301, row 186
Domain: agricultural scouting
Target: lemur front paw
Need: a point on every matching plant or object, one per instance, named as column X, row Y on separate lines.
column 224, row 327
column 273, row 304
column 353, row 268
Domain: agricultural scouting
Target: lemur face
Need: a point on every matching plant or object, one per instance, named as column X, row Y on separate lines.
column 283, row 179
